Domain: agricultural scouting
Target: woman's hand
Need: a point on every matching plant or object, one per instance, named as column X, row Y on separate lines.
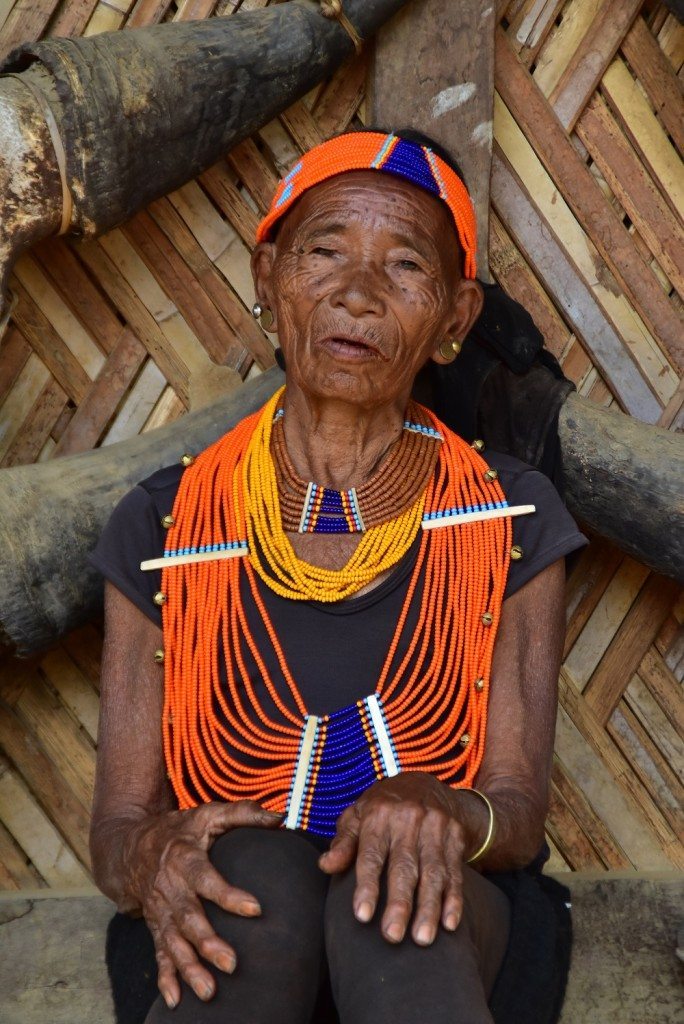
column 408, row 825
column 167, row 869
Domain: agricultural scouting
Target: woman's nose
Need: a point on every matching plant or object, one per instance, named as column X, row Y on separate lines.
column 359, row 291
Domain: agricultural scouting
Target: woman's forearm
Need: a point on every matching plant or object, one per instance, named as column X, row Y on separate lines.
column 518, row 826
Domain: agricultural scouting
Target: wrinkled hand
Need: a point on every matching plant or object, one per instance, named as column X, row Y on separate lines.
column 168, row 869
column 405, row 824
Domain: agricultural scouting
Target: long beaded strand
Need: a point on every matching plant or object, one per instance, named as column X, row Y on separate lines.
column 434, row 701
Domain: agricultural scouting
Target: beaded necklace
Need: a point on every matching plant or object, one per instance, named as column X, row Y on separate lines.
column 428, row 712
column 392, row 489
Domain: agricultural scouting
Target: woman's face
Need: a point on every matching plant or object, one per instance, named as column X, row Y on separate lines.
column 364, row 284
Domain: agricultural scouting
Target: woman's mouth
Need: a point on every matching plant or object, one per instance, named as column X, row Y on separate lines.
column 349, row 349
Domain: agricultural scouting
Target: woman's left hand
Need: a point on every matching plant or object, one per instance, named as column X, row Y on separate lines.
column 406, row 824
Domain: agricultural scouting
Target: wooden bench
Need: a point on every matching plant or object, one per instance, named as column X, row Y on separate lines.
column 625, row 969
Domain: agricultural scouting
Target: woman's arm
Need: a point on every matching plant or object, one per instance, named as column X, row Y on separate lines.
column 421, row 830
column 147, row 857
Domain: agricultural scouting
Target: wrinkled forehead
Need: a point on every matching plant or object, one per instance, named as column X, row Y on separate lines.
column 376, row 200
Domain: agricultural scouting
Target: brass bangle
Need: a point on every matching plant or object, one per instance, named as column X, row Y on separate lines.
column 489, row 838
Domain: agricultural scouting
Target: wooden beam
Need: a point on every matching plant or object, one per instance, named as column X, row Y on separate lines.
column 434, row 71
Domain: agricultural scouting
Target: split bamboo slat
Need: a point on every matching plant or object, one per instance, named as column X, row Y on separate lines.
column 117, row 336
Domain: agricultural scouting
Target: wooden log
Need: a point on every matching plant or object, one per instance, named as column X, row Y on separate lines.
column 433, row 70
column 139, row 113
column 622, row 480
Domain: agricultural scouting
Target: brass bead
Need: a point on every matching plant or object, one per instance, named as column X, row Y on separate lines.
column 187, row 460
column 168, row 521
column 159, row 597
column 516, row 552
column 159, row 655
column 478, row 444
column 490, row 475
column 464, row 740
column 487, row 619
column 479, row 685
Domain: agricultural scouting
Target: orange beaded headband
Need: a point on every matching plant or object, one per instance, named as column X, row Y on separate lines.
column 358, row 151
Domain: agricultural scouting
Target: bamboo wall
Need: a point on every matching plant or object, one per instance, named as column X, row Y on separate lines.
column 120, row 335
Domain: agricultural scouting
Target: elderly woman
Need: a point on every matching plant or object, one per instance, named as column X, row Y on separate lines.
column 333, row 640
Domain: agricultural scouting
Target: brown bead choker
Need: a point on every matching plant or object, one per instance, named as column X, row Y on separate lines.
column 401, row 477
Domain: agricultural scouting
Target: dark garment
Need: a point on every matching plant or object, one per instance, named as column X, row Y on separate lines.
column 335, row 652
column 308, row 959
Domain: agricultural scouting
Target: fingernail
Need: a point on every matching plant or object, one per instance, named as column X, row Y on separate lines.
column 249, row 908
column 226, row 963
column 364, row 911
column 207, row 991
column 395, row 932
column 424, row 935
column 451, row 922
column 170, row 1001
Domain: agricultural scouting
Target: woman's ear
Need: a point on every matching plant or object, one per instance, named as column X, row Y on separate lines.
column 466, row 308
column 263, row 258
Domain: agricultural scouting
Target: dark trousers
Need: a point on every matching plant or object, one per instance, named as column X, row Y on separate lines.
column 307, row 940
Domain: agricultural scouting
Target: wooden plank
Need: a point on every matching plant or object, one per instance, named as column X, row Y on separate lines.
column 570, row 292
column 567, row 834
column 595, row 214
column 140, row 319
column 590, row 59
column 15, row 353
column 58, row 313
column 137, row 404
column 649, row 764
column 581, row 251
column 645, row 132
column 53, row 796
column 655, row 73
column 636, row 191
column 341, row 97
column 88, row 303
column 588, row 582
column 84, row 647
column 29, row 384
column 48, row 344
column 637, row 632
column 72, row 19
column 516, row 276
column 562, row 41
column 37, row 427
column 147, row 12
column 415, row 81
column 254, row 173
column 37, row 836
column 16, row 870
column 609, row 777
column 26, row 21
column 605, row 849
column 96, row 410
column 530, row 25
column 639, row 700
column 229, row 200
column 664, row 688
column 64, row 743
column 76, row 692
column 302, row 126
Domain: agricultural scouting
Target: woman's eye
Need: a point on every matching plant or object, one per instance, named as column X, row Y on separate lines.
column 408, row 265
column 320, row 250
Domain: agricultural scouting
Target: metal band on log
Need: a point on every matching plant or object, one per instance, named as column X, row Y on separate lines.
column 623, row 480
column 140, row 113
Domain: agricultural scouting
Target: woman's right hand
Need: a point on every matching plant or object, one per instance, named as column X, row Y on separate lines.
column 167, row 870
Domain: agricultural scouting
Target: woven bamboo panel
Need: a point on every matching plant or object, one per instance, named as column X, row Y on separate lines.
column 120, row 335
